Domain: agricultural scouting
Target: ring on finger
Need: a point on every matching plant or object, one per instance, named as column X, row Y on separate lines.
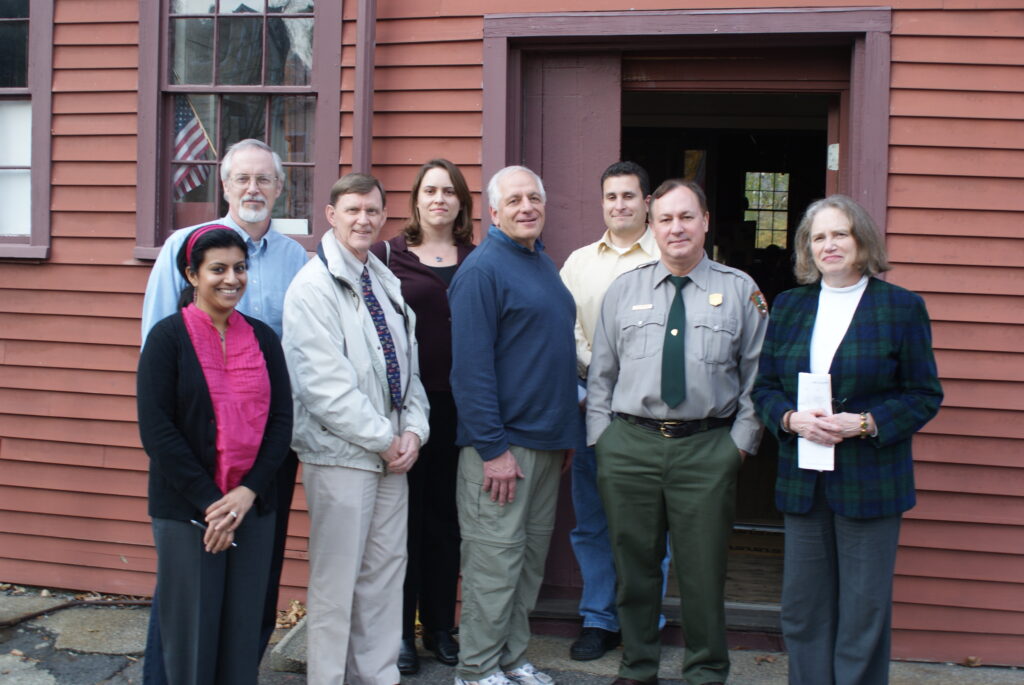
column 233, row 514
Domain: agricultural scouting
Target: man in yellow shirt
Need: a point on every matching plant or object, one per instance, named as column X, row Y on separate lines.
column 626, row 243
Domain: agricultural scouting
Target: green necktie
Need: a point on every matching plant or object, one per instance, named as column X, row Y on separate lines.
column 673, row 355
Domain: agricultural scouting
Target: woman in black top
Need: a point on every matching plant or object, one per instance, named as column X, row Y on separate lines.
column 425, row 257
column 215, row 418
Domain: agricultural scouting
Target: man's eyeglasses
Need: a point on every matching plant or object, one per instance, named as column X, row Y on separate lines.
column 245, row 181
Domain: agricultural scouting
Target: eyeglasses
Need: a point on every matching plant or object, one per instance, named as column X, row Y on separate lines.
column 261, row 181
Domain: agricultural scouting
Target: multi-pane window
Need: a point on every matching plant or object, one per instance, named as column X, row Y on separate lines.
column 239, row 69
column 15, row 120
column 768, row 205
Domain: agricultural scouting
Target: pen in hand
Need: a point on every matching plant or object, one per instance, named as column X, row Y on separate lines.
column 202, row 526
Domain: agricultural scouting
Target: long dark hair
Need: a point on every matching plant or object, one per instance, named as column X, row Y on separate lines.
column 193, row 252
column 462, row 232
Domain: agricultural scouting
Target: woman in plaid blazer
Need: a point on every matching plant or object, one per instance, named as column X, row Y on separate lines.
column 842, row 526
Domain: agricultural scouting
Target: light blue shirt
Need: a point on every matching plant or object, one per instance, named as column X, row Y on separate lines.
column 273, row 262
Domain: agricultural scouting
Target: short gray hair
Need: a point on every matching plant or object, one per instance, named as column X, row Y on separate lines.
column 229, row 157
column 494, row 192
column 871, row 256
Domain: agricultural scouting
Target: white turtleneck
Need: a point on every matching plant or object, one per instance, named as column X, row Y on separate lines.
column 835, row 311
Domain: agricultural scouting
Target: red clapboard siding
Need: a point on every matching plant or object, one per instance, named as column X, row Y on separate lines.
column 119, row 433
column 958, row 50
column 73, row 57
column 96, row 34
column 74, row 454
column 952, row 222
column 991, row 649
column 75, row 528
column 979, row 365
column 958, row 307
column 98, row 124
column 970, row 478
column 965, row 537
column 941, row 563
column 967, row 449
column 921, row 617
column 963, row 77
column 68, row 380
column 79, row 577
column 79, row 479
column 944, row 161
column 92, row 12
column 97, row 279
column 969, row 508
column 62, row 355
column 61, row 302
column 969, row 133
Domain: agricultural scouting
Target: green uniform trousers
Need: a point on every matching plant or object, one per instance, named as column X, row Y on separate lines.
column 503, row 553
column 687, row 486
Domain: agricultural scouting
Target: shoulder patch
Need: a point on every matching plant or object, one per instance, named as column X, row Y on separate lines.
column 759, row 303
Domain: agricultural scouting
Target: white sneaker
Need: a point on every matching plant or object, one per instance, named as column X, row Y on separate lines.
column 528, row 675
column 496, row 678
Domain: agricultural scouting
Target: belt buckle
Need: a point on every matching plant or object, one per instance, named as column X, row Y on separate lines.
column 663, row 428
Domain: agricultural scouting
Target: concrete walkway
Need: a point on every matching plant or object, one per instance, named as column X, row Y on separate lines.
column 89, row 645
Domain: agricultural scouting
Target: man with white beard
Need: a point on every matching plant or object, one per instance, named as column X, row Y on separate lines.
column 252, row 176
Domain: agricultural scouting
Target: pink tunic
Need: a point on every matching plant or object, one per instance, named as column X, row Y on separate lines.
column 239, row 389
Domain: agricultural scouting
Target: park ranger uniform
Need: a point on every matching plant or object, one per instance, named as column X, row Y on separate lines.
column 674, row 468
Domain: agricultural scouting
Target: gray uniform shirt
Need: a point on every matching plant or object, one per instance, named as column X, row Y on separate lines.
column 725, row 325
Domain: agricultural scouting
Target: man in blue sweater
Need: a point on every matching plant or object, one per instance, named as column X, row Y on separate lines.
column 514, row 382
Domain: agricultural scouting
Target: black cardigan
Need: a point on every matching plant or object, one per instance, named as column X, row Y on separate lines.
column 178, row 429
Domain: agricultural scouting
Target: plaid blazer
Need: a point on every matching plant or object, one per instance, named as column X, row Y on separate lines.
column 884, row 365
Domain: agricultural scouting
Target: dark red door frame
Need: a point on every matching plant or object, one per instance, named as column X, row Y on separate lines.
column 864, row 165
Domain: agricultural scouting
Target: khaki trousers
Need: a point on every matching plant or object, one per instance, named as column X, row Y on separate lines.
column 686, row 486
column 503, row 554
column 357, row 555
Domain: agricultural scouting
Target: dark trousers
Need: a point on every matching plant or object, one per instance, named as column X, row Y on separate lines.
column 209, row 623
column 687, row 486
column 837, row 596
column 153, row 671
column 432, row 574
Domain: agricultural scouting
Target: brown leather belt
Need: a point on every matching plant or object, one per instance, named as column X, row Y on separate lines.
column 676, row 429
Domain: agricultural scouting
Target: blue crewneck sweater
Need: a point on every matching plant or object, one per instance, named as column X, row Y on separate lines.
column 513, row 350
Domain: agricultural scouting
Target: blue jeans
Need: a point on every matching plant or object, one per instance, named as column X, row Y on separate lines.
column 590, row 541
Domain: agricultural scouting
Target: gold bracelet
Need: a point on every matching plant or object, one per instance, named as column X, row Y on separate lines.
column 785, row 421
column 863, row 425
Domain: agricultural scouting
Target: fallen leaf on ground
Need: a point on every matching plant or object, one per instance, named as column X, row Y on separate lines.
column 971, row 661
column 764, row 659
column 293, row 614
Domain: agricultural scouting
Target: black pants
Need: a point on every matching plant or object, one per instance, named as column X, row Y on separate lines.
column 153, row 670
column 432, row 574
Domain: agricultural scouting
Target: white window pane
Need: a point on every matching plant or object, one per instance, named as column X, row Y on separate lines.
column 15, row 133
column 240, row 6
column 16, row 199
column 291, row 226
column 191, row 6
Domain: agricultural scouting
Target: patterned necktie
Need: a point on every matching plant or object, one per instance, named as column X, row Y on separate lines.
column 673, row 354
column 373, row 306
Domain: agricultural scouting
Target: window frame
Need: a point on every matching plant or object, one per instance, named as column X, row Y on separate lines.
column 36, row 244
column 155, row 137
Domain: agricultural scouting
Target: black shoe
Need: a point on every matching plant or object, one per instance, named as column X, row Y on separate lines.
column 593, row 643
column 408, row 659
column 443, row 645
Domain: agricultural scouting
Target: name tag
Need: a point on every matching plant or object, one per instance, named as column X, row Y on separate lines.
column 638, row 307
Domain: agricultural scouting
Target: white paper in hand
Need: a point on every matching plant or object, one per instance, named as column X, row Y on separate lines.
column 814, row 391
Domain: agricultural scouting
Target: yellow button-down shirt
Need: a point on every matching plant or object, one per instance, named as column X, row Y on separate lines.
column 589, row 271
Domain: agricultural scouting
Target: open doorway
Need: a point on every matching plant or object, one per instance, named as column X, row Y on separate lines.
column 761, row 158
